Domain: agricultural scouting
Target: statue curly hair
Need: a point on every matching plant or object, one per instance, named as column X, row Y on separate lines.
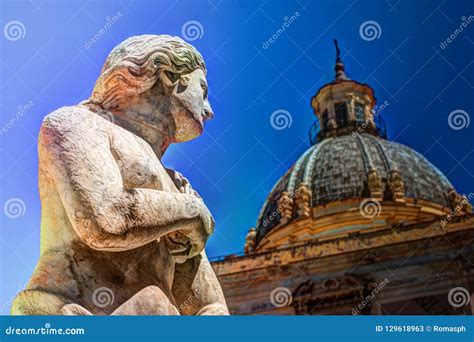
column 134, row 66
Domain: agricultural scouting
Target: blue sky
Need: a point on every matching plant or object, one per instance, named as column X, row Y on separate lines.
column 48, row 61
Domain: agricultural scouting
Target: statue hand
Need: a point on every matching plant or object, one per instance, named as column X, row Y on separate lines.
column 187, row 243
column 182, row 183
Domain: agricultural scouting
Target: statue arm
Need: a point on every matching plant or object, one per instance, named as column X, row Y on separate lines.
column 196, row 289
column 104, row 214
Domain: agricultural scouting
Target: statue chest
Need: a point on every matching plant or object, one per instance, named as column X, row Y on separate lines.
column 138, row 164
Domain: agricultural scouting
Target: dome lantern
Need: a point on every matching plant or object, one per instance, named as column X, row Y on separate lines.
column 344, row 106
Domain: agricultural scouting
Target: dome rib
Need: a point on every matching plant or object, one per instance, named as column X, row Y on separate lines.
column 308, row 172
column 368, row 164
column 388, row 165
column 296, row 169
column 269, row 202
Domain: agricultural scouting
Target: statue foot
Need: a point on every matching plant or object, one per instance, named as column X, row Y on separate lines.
column 75, row 310
column 149, row 301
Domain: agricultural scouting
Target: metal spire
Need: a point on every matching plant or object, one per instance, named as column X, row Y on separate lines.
column 339, row 67
column 338, row 52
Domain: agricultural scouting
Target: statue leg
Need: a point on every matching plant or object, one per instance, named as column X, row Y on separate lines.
column 37, row 302
column 149, row 301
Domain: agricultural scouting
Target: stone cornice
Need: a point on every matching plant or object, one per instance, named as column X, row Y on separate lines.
column 342, row 245
column 340, row 218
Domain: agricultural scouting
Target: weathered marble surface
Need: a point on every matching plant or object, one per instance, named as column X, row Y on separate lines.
column 120, row 234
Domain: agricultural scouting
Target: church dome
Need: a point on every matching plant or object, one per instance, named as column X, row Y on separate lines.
column 338, row 168
column 352, row 179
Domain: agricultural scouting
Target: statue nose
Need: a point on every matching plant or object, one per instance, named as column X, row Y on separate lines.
column 208, row 113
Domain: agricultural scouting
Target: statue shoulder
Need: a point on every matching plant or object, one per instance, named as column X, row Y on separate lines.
column 69, row 120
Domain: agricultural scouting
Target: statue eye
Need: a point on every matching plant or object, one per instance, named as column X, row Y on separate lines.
column 173, row 77
column 204, row 90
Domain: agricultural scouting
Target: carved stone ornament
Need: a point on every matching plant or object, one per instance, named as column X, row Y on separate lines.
column 467, row 206
column 285, row 206
column 397, row 186
column 459, row 204
column 375, row 184
column 250, row 241
column 303, row 197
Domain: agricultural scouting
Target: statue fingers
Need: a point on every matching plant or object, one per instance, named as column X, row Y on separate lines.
column 171, row 173
column 176, row 177
column 188, row 189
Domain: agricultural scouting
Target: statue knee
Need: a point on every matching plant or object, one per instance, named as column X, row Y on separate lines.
column 153, row 291
column 35, row 302
column 153, row 297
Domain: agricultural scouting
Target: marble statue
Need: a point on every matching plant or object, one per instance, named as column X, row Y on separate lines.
column 120, row 234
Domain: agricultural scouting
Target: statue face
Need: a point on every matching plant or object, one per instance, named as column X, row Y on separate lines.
column 189, row 104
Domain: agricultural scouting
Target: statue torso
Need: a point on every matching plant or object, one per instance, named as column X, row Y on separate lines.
column 69, row 267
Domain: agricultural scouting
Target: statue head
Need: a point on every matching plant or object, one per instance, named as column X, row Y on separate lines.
column 157, row 83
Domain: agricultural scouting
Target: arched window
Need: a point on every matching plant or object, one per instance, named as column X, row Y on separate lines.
column 341, row 114
column 325, row 119
column 359, row 112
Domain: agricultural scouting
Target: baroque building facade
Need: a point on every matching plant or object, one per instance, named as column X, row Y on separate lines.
column 358, row 225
